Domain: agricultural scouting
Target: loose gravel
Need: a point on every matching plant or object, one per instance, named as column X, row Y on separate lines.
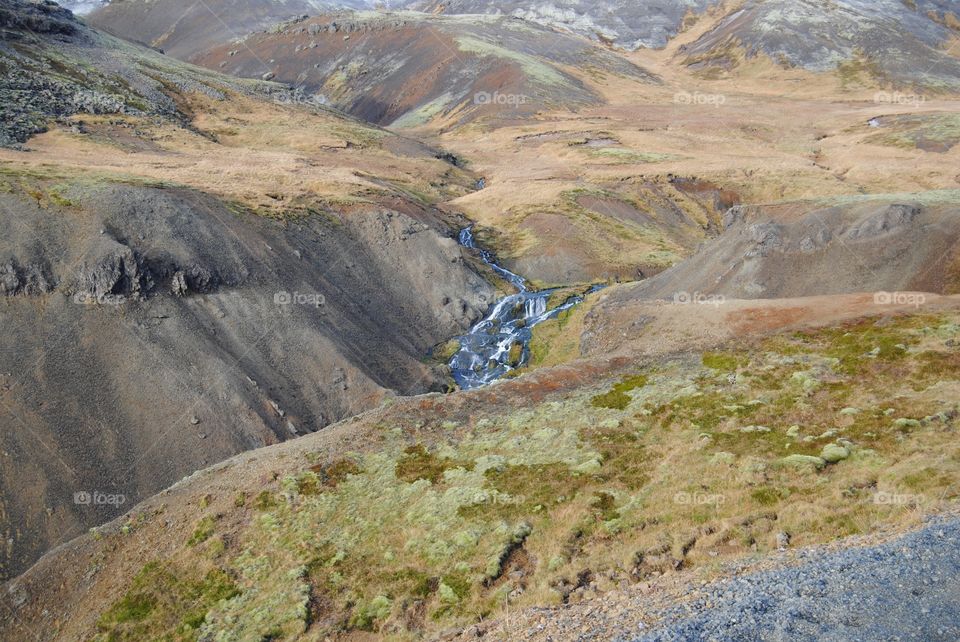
column 907, row 589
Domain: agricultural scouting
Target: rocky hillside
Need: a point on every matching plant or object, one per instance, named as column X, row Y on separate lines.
column 182, row 29
column 905, row 44
column 408, row 69
column 895, row 243
column 624, row 23
column 179, row 287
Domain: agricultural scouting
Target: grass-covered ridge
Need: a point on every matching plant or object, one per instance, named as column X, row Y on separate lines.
column 816, row 434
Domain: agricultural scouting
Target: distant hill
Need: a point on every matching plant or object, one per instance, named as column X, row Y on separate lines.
column 407, row 69
column 893, row 41
column 626, row 23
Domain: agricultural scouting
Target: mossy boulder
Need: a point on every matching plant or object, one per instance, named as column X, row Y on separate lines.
column 904, row 424
column 832, row 453
column 804, row 462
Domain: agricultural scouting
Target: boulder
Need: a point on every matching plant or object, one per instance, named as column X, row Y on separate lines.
column 832, row 453
column 804, row 462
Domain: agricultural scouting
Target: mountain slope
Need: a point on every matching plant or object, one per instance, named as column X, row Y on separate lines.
column 408, row 69
column 182, row 29
column 188, row 272
column 890, row 41
column 625, row 23
column 907, row 242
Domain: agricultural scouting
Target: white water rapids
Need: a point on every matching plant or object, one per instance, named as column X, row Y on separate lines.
column 485, row 351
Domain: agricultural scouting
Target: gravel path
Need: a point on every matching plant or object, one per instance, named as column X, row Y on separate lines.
column 907, row 589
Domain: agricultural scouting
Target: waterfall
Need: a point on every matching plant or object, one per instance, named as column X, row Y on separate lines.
column 534, row 307
column 488, row 351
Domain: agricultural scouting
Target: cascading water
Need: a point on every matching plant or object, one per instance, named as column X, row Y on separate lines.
column 500, row 342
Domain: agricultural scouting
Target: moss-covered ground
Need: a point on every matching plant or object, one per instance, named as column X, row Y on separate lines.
column 675, row 465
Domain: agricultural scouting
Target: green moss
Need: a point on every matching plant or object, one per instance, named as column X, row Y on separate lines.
column 202, row 532
column 265, row 501
column 446, row 351
column 617, row 398
column 308, row 483
column 366, row 615
column 722, row 361
column 766, row 496
column 628, row 156
column 332, row 474
column 803, row 462
column 165, row 603
column 415, row 582
column 933, row 132
column 535, row 69
column 133, row 607
column 59, row 200
column 533, row 488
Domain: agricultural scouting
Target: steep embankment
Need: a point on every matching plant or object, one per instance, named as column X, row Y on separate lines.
column 188, row 272
column 904, row 242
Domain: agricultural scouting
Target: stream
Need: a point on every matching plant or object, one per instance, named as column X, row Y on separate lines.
column 487, row 352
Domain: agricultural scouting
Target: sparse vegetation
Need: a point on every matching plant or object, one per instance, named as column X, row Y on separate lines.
column 425, row 534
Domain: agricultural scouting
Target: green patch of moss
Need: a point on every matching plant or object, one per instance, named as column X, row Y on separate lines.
column 534, row 487
column 766, row 495
column 367, row 614
column 444, row 352
column 617, row 398
column 265, row 501
column 625, row 156
column 165, row 603
column 202, row 531
column 722, row 361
